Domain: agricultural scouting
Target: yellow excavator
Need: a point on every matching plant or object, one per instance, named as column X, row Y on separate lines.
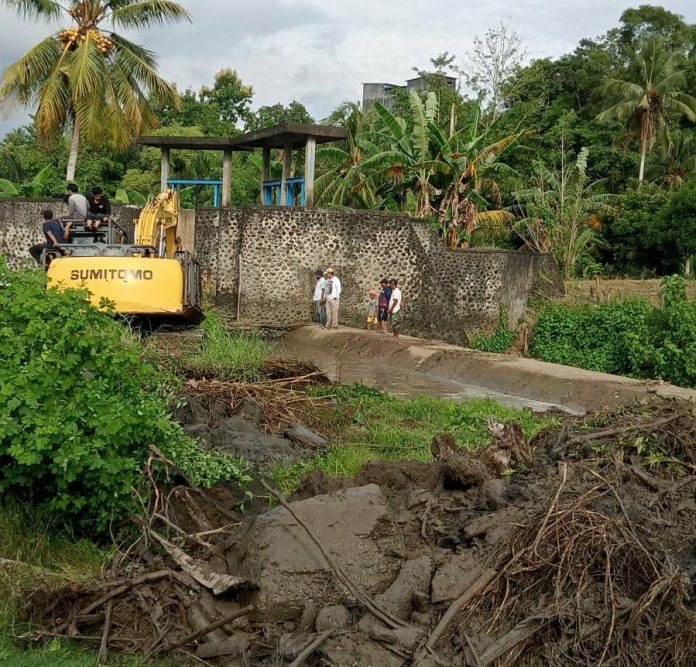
column 151, row 281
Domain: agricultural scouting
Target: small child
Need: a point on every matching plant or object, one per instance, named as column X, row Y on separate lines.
column 372, row 310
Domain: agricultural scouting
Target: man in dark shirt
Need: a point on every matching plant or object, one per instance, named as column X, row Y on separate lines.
column 53, row 231
column 99, row 209
column 384, row 298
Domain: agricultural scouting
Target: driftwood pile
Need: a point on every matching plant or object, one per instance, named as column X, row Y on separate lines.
column 577, row 549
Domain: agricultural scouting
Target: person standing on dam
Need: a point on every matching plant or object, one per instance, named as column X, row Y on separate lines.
column 395, row 307
column 331, row 296
column 319, row 305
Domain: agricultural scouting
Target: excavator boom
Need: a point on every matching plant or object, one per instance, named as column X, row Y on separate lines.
column 157, row 223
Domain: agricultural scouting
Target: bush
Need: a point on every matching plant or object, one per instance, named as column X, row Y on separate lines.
column 626, row 337
column 79, row 408
column 228, row 355
column 500, row 341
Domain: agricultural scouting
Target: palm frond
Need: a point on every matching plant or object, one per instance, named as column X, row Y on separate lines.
column 147, row 13
column 495, row 218
column 24, row 78
column 619, row 111
column 35, row 9
column 139, row 65
column 623, row 89
column 332, row 153
column 54, row 102
column 683, row 103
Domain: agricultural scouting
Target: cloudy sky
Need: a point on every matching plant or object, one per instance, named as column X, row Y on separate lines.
column 320, row 51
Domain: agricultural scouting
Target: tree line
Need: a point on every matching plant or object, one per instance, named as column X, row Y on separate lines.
column 590, row 156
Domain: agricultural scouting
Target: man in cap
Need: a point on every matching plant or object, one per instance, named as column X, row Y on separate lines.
column 319, row 305
column 331, row 296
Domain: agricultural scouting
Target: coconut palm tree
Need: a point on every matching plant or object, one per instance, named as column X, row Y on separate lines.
column 645, row 102
column 675, row 165
column 87, row 76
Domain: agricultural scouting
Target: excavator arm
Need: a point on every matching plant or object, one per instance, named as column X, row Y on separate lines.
column 157, row 224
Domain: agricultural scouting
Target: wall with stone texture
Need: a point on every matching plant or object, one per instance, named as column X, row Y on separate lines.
column 21, row 224
column 446, row 293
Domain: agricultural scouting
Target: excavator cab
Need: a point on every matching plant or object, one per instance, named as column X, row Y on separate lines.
column 151, row 281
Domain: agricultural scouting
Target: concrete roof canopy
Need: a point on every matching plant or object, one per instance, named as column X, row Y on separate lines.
column 295, row 134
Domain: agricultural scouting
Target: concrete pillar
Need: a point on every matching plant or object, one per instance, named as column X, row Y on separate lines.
column 310, row 159
column 265, row 170
column 164, row 169
column 227, row 179
column 287, row 173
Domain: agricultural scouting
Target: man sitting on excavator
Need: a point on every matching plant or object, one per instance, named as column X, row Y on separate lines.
column 99, row 209
column 53, row 231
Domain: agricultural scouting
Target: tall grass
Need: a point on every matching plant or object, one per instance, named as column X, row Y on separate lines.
column 229, row 355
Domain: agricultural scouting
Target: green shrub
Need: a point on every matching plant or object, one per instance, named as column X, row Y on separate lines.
column 596, row 337
column 626, row 337
column 500, row 341
column 79, row 408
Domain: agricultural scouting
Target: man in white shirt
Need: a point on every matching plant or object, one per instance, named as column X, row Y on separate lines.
column 331, row 295
column 395, row 307
column 319, row 306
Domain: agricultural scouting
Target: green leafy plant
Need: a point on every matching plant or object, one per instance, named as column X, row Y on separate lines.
column 500, row 341
column 80, row 408
column 627, row 337
column 33, row 188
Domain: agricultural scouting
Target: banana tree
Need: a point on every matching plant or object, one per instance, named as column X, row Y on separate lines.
column 32, row 188
column 466, row 164
column 407, row 162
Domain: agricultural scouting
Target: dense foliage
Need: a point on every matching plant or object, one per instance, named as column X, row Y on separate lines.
column 589, row 156
column 626, row 337
column 80, row 409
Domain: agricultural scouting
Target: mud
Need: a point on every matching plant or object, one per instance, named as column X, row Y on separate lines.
column 579, row 548
column 239, row 430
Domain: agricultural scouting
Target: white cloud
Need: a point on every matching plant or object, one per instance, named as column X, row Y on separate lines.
column 320, row 51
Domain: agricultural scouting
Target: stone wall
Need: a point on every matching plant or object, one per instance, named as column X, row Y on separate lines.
column 446, row 293
column 21, row 223
column 276, row 251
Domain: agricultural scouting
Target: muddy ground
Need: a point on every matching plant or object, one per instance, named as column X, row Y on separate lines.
column 576, row 549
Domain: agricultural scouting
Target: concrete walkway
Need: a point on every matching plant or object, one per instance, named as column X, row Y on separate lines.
column 413, row 366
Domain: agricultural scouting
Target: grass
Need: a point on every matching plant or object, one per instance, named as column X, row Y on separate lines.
column 373, row 425
column 223, row 353
column 42, row 553
column 229, row 355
